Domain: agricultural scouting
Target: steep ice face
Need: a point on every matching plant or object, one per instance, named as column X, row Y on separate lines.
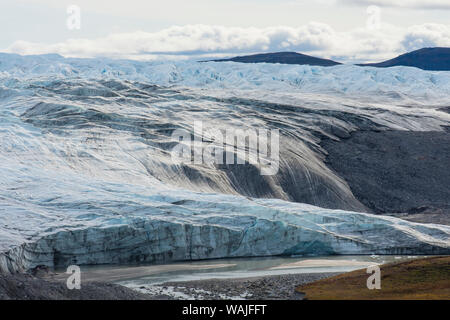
column 98, row 223
column 86, row 174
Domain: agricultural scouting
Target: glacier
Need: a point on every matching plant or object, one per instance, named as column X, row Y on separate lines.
column 398, row 83
column 86, row 175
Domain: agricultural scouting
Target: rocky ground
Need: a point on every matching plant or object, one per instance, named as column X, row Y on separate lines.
column 29, row 287
column 280, row 287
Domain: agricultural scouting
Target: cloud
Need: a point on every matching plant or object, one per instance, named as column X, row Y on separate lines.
column 193, row 41
column 416, row 4
column 428, row 35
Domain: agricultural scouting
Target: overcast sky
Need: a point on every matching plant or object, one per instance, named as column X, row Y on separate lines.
column 348, row 30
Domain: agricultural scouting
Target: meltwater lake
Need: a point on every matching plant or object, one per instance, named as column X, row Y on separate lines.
column 135, row 275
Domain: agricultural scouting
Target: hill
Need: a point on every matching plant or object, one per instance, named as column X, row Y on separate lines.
column 434, row 59
column 283, row 58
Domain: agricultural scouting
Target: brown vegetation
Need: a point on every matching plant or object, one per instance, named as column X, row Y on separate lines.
column 421, row 279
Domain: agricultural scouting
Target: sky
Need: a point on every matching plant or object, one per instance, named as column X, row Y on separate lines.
column 345, row 30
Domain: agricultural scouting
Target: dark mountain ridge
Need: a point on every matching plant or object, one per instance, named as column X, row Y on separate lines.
column 283, row 58
column 433, row 59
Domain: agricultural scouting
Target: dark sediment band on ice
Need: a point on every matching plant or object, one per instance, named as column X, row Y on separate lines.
column 396, row 171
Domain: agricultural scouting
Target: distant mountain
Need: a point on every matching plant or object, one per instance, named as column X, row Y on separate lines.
column 282, row 57
column 435, row 59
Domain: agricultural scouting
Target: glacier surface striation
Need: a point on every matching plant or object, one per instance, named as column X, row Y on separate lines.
column 86, row 175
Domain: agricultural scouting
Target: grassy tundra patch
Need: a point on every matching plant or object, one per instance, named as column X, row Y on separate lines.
column 419, row 279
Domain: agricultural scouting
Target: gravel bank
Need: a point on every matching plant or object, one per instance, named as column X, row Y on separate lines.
column 280, row 287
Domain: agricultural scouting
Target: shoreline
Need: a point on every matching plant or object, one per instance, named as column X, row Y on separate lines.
column 43, row 284
column 232, row 279
column 23, row 286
